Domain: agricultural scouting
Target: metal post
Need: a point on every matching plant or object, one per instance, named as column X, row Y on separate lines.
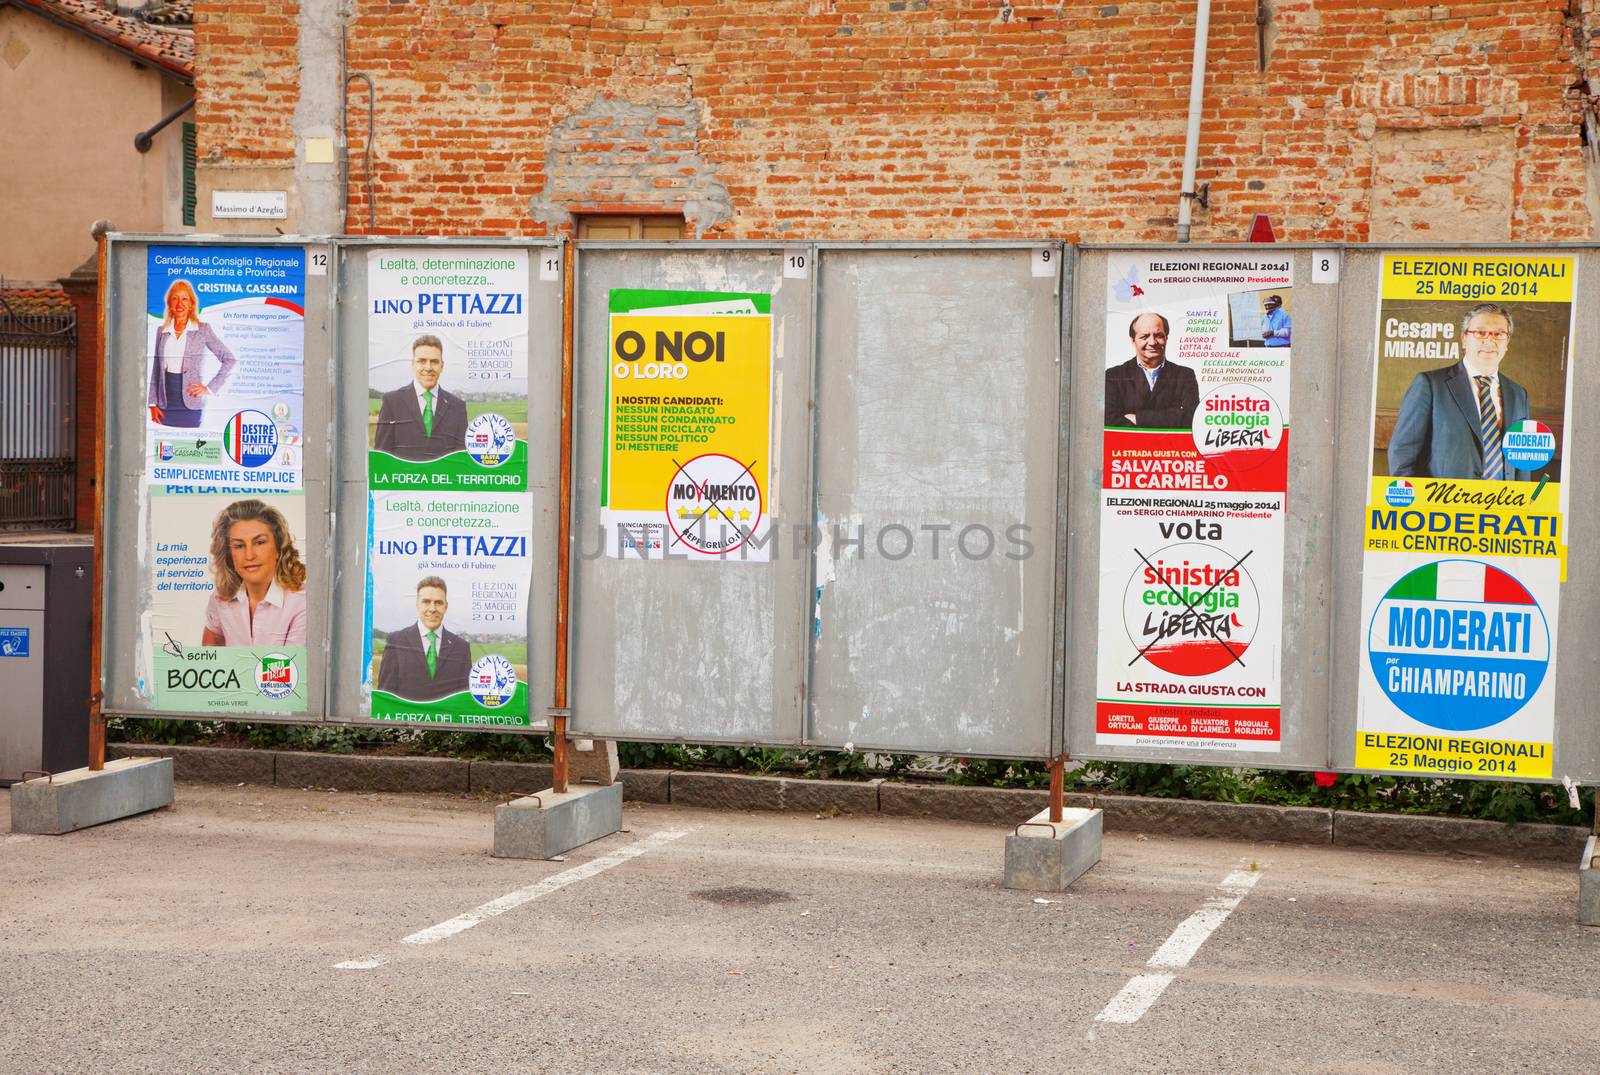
column 558, row 780
column 1058, row 787
column 97, row 720
column 1187, row 196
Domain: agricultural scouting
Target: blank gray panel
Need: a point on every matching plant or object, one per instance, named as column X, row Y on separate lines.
column 669, row 649
column 939, row 375
column 1309, row 545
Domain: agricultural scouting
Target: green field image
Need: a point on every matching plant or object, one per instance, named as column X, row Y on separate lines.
column 514, row 410
column 515, row 652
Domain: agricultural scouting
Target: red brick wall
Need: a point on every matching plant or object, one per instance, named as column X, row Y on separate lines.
column 927, row 118
column 248, row 81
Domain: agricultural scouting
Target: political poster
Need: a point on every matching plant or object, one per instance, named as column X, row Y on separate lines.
column 224, row 622
column 1194, row 472
column 1465, row 528
column 688, row 430
column 447, row 362
column 225, row 354
column 449, row 510
column 446, row 607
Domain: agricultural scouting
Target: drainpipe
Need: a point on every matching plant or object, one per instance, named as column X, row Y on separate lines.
column 1191, row 141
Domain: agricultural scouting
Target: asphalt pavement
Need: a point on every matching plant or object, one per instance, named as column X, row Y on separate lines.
column 275, row 930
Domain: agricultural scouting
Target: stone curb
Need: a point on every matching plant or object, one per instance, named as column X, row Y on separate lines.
column 736, row 791
column 1467, row 836
column 509, row 777
column 206, row 765
column 1232, row 821
column 990, row 806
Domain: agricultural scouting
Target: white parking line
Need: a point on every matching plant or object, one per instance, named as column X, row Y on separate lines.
column 1143, row 990
column 512, row 900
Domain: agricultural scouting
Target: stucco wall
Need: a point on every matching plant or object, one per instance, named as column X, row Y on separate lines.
column 71, row 109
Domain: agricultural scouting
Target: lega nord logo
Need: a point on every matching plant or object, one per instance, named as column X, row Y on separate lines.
column 276, row 676
column 1238, row 428
column 1400, row 493
column 492, row 681
column 490, row 439
column 1191, row 609
column 1459, row 645
column 250, row 439
column 1528, row 445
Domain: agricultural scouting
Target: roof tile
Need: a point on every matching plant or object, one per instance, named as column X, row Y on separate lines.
column 154, row 36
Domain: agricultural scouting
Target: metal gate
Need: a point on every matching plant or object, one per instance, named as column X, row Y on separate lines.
column 38, row 366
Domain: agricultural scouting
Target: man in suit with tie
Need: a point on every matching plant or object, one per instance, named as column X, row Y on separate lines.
column 421, row 421
column 423, row 662
column 1452, row 420
column 1147, row 391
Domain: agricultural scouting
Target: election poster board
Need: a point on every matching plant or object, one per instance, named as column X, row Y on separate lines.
column 1465, row 530
column 223, row 631
column 449, row 512
column 1194, row 472
column 687, row 469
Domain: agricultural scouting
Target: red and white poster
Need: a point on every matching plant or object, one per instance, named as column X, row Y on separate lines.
column 1195, row 459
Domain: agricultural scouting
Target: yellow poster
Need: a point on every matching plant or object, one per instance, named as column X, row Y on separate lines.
column 688, row 429
column 1466, row 517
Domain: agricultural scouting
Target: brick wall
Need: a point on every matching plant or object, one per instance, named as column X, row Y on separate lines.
column 935, row 118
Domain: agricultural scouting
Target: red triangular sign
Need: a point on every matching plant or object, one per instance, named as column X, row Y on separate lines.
column 1261, row 230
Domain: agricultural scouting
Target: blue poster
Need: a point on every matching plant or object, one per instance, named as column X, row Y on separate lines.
column 225, row 359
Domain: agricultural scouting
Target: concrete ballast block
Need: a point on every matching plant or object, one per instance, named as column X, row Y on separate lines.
column 548, row 824
column 80, row 798
column 1589, row 884
column 1046, row 856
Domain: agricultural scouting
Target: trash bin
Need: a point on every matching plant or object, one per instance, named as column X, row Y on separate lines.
column 46, row 590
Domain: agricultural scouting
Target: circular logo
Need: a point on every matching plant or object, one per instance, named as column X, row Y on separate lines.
column 713, row 504
column 1528, row 445
column 280, row 411
column 492, row 681
column 1191, row 609
column 1458, row 645
column 1400, row 493
column 1238, row 427
column 276, row 675
column 490, row 439
column 250, row 439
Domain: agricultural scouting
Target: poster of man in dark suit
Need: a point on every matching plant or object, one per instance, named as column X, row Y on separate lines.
column 1147, row 391
column 420, row 421
column 423, row 662
column 1452, row 421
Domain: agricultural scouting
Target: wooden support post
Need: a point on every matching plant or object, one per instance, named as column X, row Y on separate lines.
column 1058, row 787
column 558, row 745
column 97, row 720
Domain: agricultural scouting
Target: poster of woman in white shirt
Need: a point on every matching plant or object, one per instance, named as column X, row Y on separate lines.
column 225, row 357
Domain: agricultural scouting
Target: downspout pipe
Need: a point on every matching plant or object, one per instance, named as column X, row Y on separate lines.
column 1191, row 139
column 144, row 140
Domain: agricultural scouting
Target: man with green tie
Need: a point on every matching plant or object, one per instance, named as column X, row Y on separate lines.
column 420, row 421
column 423, row 662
